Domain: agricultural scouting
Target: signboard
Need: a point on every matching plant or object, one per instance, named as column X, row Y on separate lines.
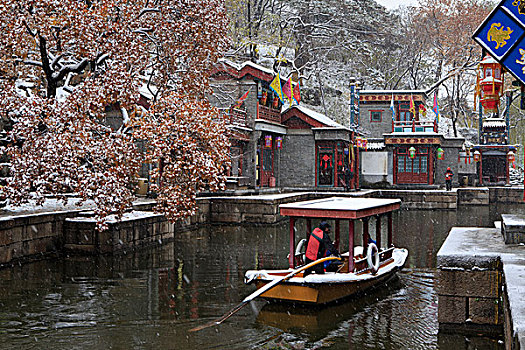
column 502, row 34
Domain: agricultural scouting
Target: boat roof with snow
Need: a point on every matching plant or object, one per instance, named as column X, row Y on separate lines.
column 340, row 207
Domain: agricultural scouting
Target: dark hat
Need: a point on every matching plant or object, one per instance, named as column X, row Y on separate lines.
column 324, row 225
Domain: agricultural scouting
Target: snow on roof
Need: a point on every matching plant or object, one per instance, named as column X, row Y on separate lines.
column 490, row 80
column 392, row 92
column 375, row 145
column 240, row 66
column 494, row 123
column 321, row 118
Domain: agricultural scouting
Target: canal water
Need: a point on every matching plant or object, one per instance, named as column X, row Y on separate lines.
column 151, row 299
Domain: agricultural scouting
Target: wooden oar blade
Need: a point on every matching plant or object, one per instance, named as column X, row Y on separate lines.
column 221, row 319
column 259, row 292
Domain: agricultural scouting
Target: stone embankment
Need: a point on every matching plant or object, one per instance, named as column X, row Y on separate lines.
column 25, row 234
column 480, row 284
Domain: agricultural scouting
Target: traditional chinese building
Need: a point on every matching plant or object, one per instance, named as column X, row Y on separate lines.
column 494, row 155
column 403, row 147
column 297, row 148
column 318, row 151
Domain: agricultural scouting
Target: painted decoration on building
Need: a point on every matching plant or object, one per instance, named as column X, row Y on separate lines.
column 268, row 141
column 499, row 33
column 361, row 142
column 502, row 35
column 279, row 142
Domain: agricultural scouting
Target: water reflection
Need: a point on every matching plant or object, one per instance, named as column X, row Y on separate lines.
column 152, row 298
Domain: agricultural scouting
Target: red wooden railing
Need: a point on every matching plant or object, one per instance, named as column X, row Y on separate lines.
column 270, row 114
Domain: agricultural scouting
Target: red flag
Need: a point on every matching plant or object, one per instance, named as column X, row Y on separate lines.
column 297, row 93
column 241, row 99
column 412, row 108
column 288, row 90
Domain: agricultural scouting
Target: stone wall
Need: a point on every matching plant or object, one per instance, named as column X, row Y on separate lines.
column 136, row 229
column 298, row 144
column 451, row 146
column 480, row 286
column 423, row 199
column 376, row 129
column 34, row 235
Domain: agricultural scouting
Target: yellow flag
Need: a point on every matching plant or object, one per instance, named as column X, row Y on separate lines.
column 276, row 87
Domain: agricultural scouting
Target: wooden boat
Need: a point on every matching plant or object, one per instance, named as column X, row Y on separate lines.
column 363, row 266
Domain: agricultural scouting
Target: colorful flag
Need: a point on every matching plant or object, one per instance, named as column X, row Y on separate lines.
column 241, row 100
column 412, row 109
column 276, row 87
column 288, row 90
column 392, row 108
column 436, row 107
column 297, row 93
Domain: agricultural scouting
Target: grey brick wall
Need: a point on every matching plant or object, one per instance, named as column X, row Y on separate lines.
column 298, row 159
column 376, row 129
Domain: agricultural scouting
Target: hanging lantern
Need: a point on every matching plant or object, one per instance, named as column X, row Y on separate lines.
column 264, row 97
column 268, row 141
column 412, row 152
column 279, row 142
column 511, row 157
column 490, row 84
column 275, row 102
column 477, row 156
column 440, row 153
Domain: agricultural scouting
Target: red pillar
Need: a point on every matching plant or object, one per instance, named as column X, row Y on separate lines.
column 291, row 258
column 480, row 169
column 378, row 231
column 366, row 235
column 351, row 246
column 390, row 231
column 337, row 233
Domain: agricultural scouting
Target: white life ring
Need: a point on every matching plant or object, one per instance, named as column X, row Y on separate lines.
column 372, row 257
column 299, row 248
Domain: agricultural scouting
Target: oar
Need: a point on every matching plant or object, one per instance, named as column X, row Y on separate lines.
column 261, row 291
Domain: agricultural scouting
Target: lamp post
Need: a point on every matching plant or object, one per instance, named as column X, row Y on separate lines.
column 352, row 102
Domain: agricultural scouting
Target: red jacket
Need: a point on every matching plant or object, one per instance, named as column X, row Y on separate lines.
column 314, row 243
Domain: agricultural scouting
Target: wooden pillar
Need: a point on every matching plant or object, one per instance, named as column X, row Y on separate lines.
column 351, row 245
column 308, row 227
column 337, row 233
column 291, row 258
column 480, row 169
column 378, row 231
column 390, row 231
column 366, row 235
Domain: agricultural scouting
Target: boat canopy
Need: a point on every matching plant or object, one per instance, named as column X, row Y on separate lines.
column 341, row 208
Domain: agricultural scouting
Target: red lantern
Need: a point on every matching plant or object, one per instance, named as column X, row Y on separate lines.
column 511, row 157
column 264, row 97
column 275, row 102
column 490, row 84
column 477, row 156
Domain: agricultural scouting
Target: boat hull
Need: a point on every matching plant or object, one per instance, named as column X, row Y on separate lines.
column 317, row 293
column 328, row 287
